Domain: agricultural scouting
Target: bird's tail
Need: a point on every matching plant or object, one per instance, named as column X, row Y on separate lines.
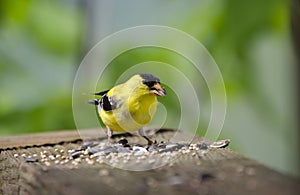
column 101, row 93
column 94, row 102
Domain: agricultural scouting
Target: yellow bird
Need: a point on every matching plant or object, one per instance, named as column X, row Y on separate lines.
column 129, row 106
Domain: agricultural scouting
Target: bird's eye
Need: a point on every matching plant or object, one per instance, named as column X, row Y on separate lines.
column 150, row 83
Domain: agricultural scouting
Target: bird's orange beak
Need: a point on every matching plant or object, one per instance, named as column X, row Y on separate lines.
column 157, row 89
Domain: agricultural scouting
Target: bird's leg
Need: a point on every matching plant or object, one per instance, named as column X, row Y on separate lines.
column 150, row 142
column 109, row 134
column 141, row 133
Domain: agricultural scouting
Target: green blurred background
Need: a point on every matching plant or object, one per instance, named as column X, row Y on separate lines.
column 42, row 43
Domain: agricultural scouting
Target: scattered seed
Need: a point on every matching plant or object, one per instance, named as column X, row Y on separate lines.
column 202, row 146
column 103, row 172
column 51, row 157
column 151, row 161
column 75, row 154
column 220, row 144
column 139, row 150
column 250, row 171
column 175, row 181
column 31, row 160
column 121, row 152
column 47, row 163
column 91, row 162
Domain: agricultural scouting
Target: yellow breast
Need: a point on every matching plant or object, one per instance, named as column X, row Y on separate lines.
column 133, row 114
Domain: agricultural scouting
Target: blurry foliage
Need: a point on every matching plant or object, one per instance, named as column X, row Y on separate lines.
column 227, row 29
column 40, row 41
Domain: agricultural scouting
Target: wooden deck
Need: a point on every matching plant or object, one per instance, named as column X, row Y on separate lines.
column 202, row 171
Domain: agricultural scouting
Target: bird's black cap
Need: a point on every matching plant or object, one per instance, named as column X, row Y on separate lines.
column 149, row 77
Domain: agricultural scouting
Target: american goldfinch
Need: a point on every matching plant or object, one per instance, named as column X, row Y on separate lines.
column 129, row 106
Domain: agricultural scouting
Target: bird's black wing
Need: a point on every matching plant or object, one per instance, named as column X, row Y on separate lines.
column 106, row 103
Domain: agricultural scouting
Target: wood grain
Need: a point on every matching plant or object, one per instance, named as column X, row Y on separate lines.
column 213, row 171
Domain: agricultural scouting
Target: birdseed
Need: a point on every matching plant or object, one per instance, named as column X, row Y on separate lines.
column 120, row 153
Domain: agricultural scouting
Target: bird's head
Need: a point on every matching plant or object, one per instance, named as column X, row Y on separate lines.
column 153, row 84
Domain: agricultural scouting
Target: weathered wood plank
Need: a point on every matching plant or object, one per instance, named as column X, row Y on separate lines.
column 37, row 139
column 211, row 171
